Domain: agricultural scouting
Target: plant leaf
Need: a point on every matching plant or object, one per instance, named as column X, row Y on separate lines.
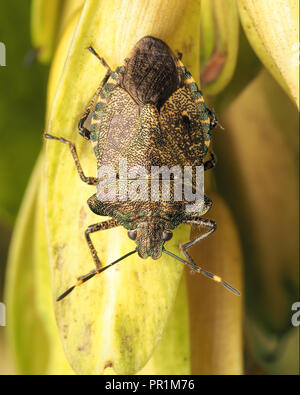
column 272, row 28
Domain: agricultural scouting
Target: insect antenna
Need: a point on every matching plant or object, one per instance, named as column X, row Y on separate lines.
column 204, row 272
column 90, row 275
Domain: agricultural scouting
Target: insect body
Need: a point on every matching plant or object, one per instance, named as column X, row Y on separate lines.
column 149, row 112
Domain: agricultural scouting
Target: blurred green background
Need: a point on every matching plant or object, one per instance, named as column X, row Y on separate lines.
column 23, row 83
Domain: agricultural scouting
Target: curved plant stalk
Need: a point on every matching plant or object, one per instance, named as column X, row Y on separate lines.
column 69, row 9
column 172, row 355
column 276, row 354
column 6, row 367
column 207, row 31
column 17, row 80
column 247, row 68
column 32, row 331
column 44, row 22
column 216, row 315
column 261, row 164
column 117, row 318
column 48, row 21
column 266, row 210
column 23, row 323
column 56, row 360
column 272, row 28
column 174, row 344
column 219, row 41
column 59, row 60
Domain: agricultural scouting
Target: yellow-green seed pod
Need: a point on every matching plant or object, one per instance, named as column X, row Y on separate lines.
column 48, row 22
column 272, row 27
column 44, row 22
column 219, row 44
column 260, row 162
column 216, row 316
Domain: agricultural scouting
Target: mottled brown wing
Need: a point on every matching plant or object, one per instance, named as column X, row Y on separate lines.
column 181, row 129
column 114, row 126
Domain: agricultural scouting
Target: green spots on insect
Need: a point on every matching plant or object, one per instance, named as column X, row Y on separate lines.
column 97, row 115
column 124, row 218
column 119, row 69
column 187, row 75
column 206, row 129
column 94, row 134
column 194, row 88
column 107, row 89
column 109, row 86
column 100, row 106
column 205, row 116
column 95, row 149
column 183, row 69
column 197, row 94
column 201, row 105
column 94, row 129
column 207, row 136
column 99, row 111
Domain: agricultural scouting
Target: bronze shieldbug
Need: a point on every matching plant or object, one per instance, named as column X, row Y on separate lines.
column 150, row 112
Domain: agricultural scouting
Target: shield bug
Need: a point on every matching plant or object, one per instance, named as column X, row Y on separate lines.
column 149, row 112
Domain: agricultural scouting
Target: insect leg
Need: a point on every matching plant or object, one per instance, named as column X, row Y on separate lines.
column 210, row 163
column 112, row 223
column 194, row 219
column 202, row 222
column 82, row 130
column 211, row 225
column 81, row 280
column 88, row 180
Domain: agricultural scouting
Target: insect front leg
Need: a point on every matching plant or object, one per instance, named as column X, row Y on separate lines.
column 82, row 279
column 112, row 223
column 196, row 219
column 82, row 130
column 97, row 207
column 88, row 180
column 211, row 226
column 202, row 222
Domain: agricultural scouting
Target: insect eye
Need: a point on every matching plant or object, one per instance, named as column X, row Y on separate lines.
column 167, row 235
column 132, row 234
